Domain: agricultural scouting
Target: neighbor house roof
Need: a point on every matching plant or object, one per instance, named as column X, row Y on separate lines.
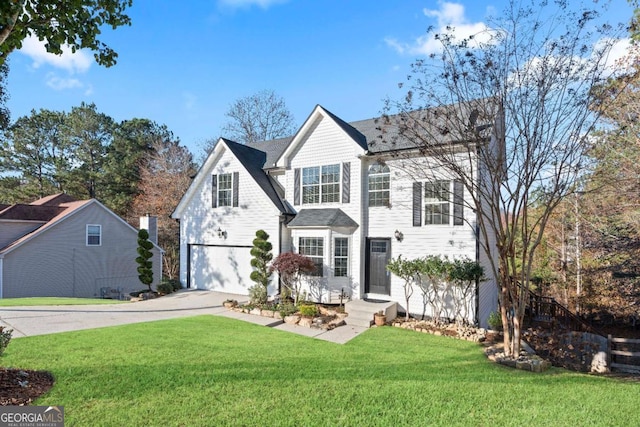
column 48, row 211
column 322, row 218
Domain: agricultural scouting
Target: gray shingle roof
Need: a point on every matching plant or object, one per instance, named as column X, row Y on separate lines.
column 333, row 217
column 254, row 161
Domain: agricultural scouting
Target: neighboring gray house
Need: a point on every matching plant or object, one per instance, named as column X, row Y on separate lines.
column 62, row 247
column 331, row 192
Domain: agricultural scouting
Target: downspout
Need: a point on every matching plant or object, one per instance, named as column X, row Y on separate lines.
column 477, row 232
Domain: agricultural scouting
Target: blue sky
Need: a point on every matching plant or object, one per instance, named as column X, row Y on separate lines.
column 183, row 63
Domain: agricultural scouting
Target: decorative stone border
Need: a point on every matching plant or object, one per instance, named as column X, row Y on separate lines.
column 526, row 361
column 328, row 319
column 450, row 329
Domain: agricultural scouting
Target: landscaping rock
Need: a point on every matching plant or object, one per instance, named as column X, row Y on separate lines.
column 256, row 311
column 306, row 322
column 292, row 320
column 267, row 313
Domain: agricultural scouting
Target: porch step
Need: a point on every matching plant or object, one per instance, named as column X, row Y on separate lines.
column 361, row 312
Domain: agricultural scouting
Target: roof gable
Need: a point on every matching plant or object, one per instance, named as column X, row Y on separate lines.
column 317, row 113
column 252, row 159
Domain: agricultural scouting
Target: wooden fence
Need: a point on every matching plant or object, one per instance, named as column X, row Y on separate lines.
column 624, row 354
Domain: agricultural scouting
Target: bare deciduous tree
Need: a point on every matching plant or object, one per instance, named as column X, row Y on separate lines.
column 259, row 117
column 508, row 113
column 164, row 178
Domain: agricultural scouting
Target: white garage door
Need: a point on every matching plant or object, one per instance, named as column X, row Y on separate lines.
column 221, row 268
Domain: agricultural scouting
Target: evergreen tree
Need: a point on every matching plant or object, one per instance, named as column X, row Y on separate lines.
column 262, row 255
column 145, row 265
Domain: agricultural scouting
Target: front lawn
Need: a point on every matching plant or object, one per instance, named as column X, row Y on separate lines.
column 18, row 302
column 206, row 371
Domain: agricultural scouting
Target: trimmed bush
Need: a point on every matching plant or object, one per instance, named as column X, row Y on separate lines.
column 308, row 310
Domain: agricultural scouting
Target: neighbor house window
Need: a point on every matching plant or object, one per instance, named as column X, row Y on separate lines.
column 379, row 185
column 94, row 235
column 321, row 184
column 340, row 257
column 313, row 247
column 436, row 202
column 225, row 189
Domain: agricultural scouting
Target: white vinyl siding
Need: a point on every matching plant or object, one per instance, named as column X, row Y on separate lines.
column 94, row 235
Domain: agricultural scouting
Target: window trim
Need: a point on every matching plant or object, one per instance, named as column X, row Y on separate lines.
column 99, row 235
column 317, row 259
column 385, row 171
column 341, row 257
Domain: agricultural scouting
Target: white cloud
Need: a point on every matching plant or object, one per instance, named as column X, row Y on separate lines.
column 450, row 19
column 78, row 62
column 60, row 83
column 237, row 4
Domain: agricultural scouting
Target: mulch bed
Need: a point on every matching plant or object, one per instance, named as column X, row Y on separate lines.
column 19, row 387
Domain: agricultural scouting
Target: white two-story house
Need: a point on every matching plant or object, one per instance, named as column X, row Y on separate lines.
column 332, row 192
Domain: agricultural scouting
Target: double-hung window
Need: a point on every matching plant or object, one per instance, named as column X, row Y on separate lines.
column 379, row 181
column 341, row 257
column 313, row 247
column 311, row 185
column 225, row 189
column 436, row 202
column 330, row 184
column 321, row 184
column 94, row 235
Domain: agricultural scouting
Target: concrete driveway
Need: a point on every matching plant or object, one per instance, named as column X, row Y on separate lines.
column 41, row 320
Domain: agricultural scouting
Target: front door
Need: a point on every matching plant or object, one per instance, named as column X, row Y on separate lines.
column 378, row 256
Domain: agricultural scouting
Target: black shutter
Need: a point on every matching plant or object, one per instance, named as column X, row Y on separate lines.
column 417, row 204
column 296, row 186
column 214, row 191
column 458, row 203
column 236, row 175
column 346, row 182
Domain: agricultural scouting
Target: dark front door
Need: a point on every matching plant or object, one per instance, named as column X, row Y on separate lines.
column 378, row 255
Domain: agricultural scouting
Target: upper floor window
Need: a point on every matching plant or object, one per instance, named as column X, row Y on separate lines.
column 94, row 235
column 379, row 182
column 321, row 184
column 313, row 247
column 436, row 202
column 443, row 203
column 225, row 189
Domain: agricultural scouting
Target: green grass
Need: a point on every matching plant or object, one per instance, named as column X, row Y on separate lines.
column 16, row 302
column 210, row 371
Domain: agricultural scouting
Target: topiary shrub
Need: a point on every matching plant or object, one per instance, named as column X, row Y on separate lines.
column 262, row 255
column 145, row 266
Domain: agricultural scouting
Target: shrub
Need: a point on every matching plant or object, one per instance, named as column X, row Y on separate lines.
column 145, row 265
column 286, row 309
column 5, row 337
column 308, row 310
column 291, row 266
column 495, row 321
column 258, row 294
column 165, row 287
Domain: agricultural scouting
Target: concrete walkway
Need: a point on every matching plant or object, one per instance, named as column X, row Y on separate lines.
column 42, row 320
